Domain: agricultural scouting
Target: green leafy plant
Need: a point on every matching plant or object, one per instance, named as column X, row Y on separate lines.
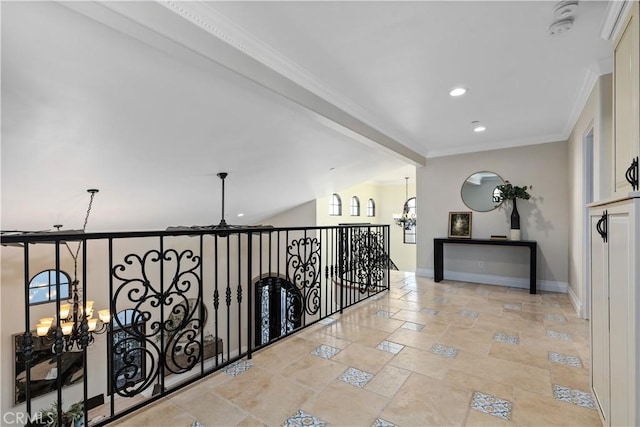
column 511, row 192
column 49, row 416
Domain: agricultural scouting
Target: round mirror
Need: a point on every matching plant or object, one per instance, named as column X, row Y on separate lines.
column 479, row 191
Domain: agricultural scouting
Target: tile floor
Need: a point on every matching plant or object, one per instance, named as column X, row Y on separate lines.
column 481, row 356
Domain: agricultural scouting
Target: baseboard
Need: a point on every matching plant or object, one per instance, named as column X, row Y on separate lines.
column 488, row 279
column 575, row 302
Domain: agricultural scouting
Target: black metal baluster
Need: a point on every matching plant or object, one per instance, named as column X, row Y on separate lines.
column 228, row 301
column 201, row 306
column 249, row 295
column 110, row 354
column 239, row 291
column 58, row 346
column 216, row 296
column 27, row 339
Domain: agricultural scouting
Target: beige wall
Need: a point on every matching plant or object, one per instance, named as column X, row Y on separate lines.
column 389, row 199
column 596, row 115
column 544, row 218
column 303, row 215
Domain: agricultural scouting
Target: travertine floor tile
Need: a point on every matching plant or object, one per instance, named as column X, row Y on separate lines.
column 414, row 387
column 363, row 357
column 423, row 362
column 313, row 371
column 162, row 414
column 424, row 401
column 345, row 405
column 388, row 381
column 533, row 409
column 270, row 397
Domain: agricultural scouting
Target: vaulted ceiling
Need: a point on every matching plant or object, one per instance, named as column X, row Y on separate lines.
column 147, row 101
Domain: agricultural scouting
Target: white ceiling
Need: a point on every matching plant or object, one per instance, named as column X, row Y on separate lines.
column 148, row 101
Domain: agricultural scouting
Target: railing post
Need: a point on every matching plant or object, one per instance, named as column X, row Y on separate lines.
column 249, row 297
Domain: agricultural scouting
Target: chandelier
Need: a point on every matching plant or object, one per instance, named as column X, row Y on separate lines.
column 73, row 326
column 406, row 220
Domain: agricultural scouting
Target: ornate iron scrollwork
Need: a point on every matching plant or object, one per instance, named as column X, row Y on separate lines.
column 176, row 304
column 368, row 259
column 303, row 270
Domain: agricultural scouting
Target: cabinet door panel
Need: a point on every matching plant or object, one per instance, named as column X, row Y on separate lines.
column 626, row 94
column 621, row 320
column 599, row 318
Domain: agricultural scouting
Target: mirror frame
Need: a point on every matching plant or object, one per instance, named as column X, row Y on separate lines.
column 495, row 206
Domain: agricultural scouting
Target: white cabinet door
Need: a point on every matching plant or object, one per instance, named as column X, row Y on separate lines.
column 599, row 316
column 623, row 316
column 626, row 94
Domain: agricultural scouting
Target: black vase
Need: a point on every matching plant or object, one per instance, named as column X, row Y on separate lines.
column 515, row 217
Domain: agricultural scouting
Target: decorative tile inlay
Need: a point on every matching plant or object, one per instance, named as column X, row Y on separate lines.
column 385, row 314
column 379, row 422
column 573, row 396
column 356, row 377
column 550, row 304
column 328, row 321
column 429, row 311
column 412, row 326
column 390, row 347
column 565, row 336
column 509, row 339
column 492, row 405
column 325, row 351
column 237, row 367
column 445, row 350
column 441, row 300
column 469, row 313
column 565, row 359
column 302, row 419
column 555, row 317
column 513, row 307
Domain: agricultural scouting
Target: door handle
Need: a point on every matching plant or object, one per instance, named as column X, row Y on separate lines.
column 601, row 226
column 632, row 174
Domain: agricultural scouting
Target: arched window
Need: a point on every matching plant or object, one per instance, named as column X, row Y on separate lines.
column 42, row 287
column 410, row 232
column 335, row 205
column 355, row 206
column 371, row 208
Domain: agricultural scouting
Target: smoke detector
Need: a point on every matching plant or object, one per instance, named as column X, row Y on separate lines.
column 560, row 26
column 563, row 17
column 565, row 9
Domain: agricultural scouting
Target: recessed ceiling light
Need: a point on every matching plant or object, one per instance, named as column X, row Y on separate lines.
column 459, row 91
column 477, row 127
column 240, row 214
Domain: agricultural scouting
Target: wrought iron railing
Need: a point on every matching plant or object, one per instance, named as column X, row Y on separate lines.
column 182, row 303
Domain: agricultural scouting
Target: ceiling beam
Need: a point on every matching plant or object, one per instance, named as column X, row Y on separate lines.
column 192, row 31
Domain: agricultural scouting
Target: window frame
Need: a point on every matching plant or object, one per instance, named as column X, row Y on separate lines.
column 371, row 208
column 335, row 205
column 51, row 286
column 354, row 206
column 409, row 236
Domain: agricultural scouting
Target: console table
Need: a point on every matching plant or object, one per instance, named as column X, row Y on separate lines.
column 438, row 255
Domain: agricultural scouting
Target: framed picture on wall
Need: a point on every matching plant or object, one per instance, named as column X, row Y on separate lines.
column 460, row 225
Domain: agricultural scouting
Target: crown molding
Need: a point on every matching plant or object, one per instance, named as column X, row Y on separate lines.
column 614, row 17
column 588, row 82
column 215, row 23
column 498, row 145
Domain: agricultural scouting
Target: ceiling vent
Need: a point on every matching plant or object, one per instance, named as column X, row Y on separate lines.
column 563, row 17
